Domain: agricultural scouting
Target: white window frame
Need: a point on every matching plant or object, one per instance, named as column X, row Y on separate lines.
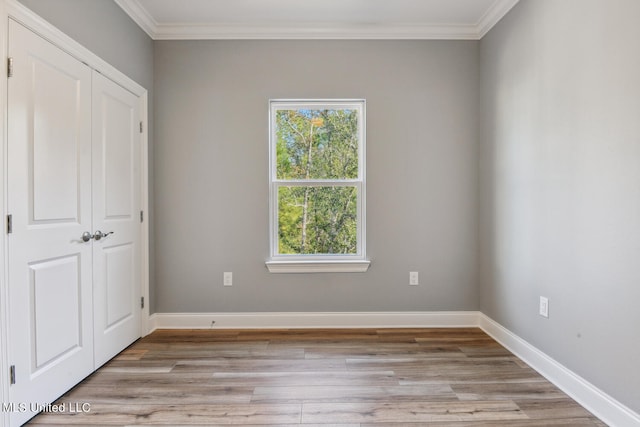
column 303, row 263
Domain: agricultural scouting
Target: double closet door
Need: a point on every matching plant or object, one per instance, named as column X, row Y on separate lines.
column 74, row 248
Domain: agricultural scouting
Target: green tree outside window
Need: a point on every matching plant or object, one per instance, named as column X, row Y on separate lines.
column 317, row 177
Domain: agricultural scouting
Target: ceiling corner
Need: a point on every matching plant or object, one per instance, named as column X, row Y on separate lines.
column 493, row 15
column 140, row 16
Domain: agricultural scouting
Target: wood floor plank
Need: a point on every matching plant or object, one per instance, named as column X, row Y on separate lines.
column 512, row 391
column 201, row 346
column 486, row 374
column 565, row 422
column 218, row 352
column 435, row 364
column 172, row 415
column 342, row 349
column 259, row 365
column 409, row 377
column 288, row 379
column 132, row 354
column 319, row 394
column 484, row 351
column 161, row 394
column 311, row 335
column 119, row 380
column 433, row 332
column 266, row 425
column 552, row 408
column 159, row 369
column 411, row 412
column 173, row 336
column 354, row 350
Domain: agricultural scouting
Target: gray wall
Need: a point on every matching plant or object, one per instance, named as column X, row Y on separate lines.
column 105, row 29
column 211, row 176
column 560, row 192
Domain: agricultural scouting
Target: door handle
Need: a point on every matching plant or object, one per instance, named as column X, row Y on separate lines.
column 86, row 236
column 99, row 234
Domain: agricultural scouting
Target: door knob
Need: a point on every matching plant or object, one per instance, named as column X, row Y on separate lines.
column 86, row 236
column 99, row 234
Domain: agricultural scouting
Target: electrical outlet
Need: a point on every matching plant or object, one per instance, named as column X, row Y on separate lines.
column 544, row 307
column 413, row 278
column 227, row 278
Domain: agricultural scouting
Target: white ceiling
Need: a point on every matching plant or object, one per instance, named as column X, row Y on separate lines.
column 316, row 19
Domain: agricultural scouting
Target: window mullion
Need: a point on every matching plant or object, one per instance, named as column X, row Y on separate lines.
column 318, row 183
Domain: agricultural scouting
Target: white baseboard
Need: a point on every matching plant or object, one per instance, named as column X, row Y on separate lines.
column 593, row 399
column 454, row 319
column 586, row 394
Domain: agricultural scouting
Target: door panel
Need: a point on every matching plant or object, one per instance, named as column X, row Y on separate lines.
column 118, row 146
column 49, row 198
column 57, row 328
column 116, row 207
column 119, row 261
column 55, row 163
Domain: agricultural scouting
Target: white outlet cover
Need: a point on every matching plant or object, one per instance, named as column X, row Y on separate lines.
column 227, row 278
column 413, row 278
column 544, row 307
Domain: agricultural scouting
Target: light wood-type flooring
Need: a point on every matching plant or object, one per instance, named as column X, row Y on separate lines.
column 356, row 377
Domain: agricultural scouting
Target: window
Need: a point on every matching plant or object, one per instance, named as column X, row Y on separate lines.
column 317, row 186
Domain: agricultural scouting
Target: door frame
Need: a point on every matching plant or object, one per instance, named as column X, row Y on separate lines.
column 20, row 13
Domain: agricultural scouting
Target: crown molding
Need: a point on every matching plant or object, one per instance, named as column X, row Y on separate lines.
column 315, row 32
column 493, row 15
column 140, row 16
column 174, row 31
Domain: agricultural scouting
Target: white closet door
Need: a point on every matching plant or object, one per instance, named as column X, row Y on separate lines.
column 49, row 199
column 116, row 212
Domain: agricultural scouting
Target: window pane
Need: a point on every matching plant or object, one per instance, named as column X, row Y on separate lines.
column 317, row 220
column 317, row 144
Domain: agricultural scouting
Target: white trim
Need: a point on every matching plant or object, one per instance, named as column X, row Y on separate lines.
column 315, row 32
column 139, row 15
column 4, row 282
column 144, row 170
column 440, row 319
column 318, row 266
column 158, row 31
column 586, row 394
column 494, row 14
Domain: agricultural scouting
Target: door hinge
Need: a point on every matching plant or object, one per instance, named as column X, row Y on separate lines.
column 9, row 67
column 141, row 216
column 141, row 127
column 141, row 302
column 12, row 374
column 9, row 224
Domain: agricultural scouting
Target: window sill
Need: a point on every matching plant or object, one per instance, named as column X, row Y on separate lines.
column 318, row 266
